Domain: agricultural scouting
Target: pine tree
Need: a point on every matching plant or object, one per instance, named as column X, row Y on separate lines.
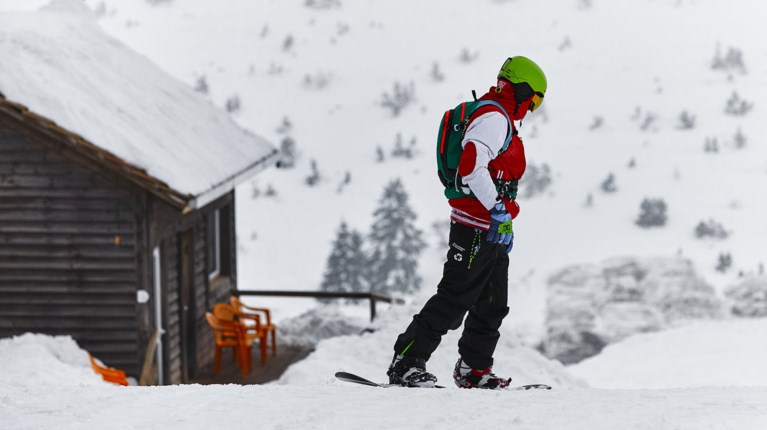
column 346, row 266
column 395, row 244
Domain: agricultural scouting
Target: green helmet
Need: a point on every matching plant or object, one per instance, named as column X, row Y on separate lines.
column 522, row 69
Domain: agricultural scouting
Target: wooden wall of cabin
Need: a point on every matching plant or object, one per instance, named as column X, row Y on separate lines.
column 68, row 251
column 209, row 291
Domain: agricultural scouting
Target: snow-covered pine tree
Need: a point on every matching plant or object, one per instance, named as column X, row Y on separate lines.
column 395, row 244
column 347, row 264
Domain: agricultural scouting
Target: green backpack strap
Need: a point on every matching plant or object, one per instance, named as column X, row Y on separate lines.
column 449, row 149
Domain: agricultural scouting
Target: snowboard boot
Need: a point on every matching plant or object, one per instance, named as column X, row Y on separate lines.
column 466, row 377
column 410, row 372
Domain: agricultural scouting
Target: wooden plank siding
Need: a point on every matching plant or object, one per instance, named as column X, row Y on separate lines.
column 68, row 252
column 172, row 322
column 202, row 302
column 76, row 243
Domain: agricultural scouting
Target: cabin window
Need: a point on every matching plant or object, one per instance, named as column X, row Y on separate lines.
column 218, row 237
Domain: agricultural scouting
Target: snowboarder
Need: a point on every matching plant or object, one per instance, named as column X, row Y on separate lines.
column 481, row 190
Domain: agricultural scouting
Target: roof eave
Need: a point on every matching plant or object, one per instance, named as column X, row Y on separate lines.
column 86, row 149
column 233, row 181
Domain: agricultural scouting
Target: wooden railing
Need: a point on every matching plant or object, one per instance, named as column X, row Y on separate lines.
column 373, row 297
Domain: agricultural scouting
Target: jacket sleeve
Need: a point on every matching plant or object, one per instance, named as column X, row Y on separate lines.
column 481, row 143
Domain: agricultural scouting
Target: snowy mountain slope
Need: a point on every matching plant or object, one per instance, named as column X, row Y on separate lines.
column 604, row 60
column 695, row 355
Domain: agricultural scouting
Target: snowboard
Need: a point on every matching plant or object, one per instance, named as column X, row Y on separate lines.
column 350, row 377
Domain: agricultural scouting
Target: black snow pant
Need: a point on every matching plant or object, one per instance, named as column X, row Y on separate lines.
column 474, row 280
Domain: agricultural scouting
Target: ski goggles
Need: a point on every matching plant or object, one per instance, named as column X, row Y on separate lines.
column 536, row 102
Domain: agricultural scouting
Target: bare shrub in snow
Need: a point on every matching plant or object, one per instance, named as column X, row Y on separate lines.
column 344, row 182
column 201, row 85
column 467, row 56
column 632, row 163
column 400, row 97
column 686, row 121
column 585, row 4
column 536, row 180
column 275, row 69
column 159, row 2
column 380, row 156
column 737, row 106
column 436, row 74
column 739, row 140
column 710, row 229
column 233, row 104
column 723, row 262
column 270, row 191
column 730, row 61
column 711, row 145
column 288, row 153
column 342, row 29
column 748, row 298
column 597, row 123
column 255, row 190
column 318, row 81
column 649, row 121
column 323, row 4
column 608, row 185
column 400, row 150
column 565, row 44
column 652, row 213
column 286, row 126
column 589, row 201
column 288, row 42
column 314, row 176
column 264, row 31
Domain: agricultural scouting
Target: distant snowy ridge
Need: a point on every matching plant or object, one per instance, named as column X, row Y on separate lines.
column 592, row 305
column 696, row 354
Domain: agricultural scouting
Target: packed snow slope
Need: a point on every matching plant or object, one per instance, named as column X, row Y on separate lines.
column 46, row 383
column 325, row 65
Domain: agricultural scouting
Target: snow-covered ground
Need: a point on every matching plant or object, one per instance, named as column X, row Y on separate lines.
column 47, row 383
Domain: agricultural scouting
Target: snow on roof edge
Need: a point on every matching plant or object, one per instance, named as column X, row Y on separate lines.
column 230, row 183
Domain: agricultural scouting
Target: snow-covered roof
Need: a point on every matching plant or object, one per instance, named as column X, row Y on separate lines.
column 60, row 65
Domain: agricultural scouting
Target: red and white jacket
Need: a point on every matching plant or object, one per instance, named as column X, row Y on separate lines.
column 480, row 163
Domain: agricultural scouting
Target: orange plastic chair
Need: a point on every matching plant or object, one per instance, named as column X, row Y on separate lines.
column 224, row 312
column 109, row 374
column 228, row 334
column 245, row 312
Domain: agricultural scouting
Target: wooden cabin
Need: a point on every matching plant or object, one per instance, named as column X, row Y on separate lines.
column 117, row 204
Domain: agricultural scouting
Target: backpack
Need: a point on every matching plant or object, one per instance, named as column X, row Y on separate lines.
column 449, row 148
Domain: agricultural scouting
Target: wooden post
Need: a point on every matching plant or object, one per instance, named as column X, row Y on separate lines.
column 148, row 375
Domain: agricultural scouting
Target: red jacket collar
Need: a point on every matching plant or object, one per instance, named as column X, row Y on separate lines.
column 503, row 94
